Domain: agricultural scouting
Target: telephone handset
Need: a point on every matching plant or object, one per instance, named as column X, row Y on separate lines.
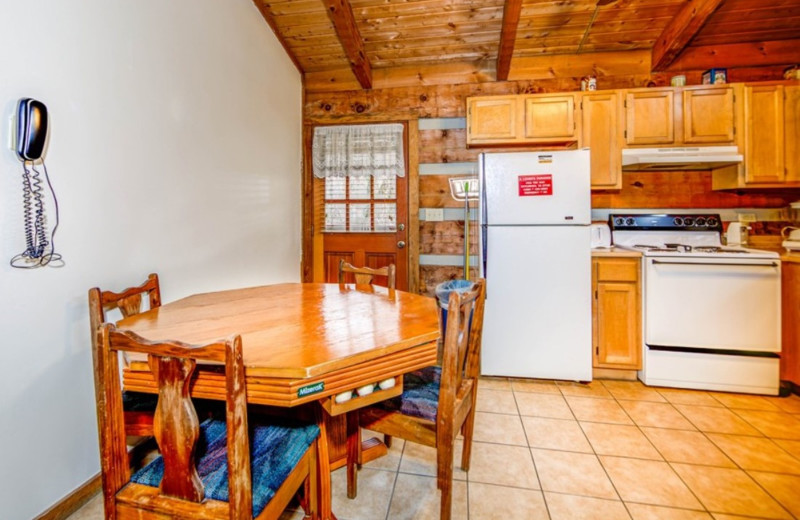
column 31, row 138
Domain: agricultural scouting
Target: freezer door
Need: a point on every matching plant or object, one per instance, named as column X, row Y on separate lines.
column 539, row 188
column 538, row 314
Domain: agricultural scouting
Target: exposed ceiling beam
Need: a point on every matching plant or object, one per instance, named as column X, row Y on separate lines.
column 738, row 55
column 508, row 37
column 680, row 31
column 341, row 14
column 264, row 10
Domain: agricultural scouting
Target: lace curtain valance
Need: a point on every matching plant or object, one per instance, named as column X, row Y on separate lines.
column 358, row 151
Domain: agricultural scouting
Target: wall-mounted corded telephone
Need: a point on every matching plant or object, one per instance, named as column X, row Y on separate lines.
column 31, row 138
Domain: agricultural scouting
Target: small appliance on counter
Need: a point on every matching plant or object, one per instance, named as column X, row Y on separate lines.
column 791, row 237
column 601, row 236
column 737, row 234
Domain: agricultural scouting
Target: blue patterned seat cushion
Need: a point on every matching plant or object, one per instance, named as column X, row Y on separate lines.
column 275, row 450
column 420, row 397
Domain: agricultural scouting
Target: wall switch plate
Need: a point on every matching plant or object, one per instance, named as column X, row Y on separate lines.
column 747, row 217
column 434, row 214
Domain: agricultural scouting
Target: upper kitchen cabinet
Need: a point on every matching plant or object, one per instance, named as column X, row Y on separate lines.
column 650, row 116
column 601, row 131
column 550, row 118
column 492, row 120
column 771, row 133
column 537, row 119
column 709, row 114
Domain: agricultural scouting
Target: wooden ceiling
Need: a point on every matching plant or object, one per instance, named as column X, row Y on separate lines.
column 342, row 40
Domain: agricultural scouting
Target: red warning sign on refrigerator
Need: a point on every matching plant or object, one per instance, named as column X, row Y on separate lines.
column 535, row 185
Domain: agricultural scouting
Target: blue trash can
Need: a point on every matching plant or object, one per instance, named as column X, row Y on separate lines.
column 443, row 291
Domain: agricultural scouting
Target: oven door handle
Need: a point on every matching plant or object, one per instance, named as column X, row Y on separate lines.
column 771, row 264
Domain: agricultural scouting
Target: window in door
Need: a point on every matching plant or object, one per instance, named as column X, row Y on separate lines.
column 361, row 204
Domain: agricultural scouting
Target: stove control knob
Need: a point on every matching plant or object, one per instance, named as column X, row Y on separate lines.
column 700, row 221
column 629, row 221
column 678, row 221
column 712, row 222
column 619, row 221
column 688, row 221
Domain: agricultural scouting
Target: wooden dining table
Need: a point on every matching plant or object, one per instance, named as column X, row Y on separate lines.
column 302, row 343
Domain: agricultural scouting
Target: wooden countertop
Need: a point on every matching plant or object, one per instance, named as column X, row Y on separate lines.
column 614, row 252
column 773, row 243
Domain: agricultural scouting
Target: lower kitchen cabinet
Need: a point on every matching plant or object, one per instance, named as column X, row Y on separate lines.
column 616, row 313
column 790, row 355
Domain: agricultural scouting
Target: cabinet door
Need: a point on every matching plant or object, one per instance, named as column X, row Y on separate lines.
column 764, row 134
column 550, row 118
column 617, row 315
column 792, row 133
column 492, row 119
column 649, row 117
column 790, row 355
column 600, row 123
column 709, row 115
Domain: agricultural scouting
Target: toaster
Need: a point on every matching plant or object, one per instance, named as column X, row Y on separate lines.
column 601, row 235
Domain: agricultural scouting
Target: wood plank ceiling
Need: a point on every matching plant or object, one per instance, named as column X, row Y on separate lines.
column 359, row 38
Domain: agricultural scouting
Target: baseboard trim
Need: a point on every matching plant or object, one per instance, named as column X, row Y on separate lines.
column 614, row 373
column 74, row 501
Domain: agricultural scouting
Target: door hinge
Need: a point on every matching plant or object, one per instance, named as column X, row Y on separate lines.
column 597, row 350
column 581, row 105
column 625, row 134
column 625, row 104
column 595, row 294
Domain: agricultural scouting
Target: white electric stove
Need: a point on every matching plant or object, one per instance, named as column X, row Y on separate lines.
column 711, row 313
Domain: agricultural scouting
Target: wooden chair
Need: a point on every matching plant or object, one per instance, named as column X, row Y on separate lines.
column 138, row 408
column 217, row 469
column 365, row 275
column 438, row 402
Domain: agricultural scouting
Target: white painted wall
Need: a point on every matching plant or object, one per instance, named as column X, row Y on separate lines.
column 175, row 147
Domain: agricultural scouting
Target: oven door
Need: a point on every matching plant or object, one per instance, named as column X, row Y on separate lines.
column 709, row 303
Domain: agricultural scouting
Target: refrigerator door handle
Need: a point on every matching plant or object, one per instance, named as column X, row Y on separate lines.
column 482, row 219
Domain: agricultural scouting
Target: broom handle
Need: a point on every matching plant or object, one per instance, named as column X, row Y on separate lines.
column 466, row 231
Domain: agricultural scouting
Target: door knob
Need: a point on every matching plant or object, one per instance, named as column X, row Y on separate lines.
column 401, row 245
column 401, row 227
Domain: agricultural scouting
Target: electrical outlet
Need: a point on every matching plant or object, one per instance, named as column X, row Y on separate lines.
column 434, row 214
column 747, row 217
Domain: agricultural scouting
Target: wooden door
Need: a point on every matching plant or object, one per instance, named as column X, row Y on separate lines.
column 790, row 356
column 600, row 122
column 491, row 119
column 791, row 129
column 764, row 134
column 365, row 224
column 617, row 302
column 709, row 115
column 649, row 117
column 550, row 118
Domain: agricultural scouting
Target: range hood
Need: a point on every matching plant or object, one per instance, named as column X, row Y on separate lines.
column 686, row 158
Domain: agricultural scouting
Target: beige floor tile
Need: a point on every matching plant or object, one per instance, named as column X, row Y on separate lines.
column 502, row 465
column 556, row 434
column 91, row 510
column 793, row 447
column 619, row 439
column 717, row 420
column 784, row 488
column 789, row 404
column 415, row 497
column 745, row 402
column 634, row 391
column 496, row 401
column 598, row 410
column 499, row 428
column 721, row 516
column 777, row 425
column 494, row 383
column 649, row 512
column 681, row 396
column 488, row 502
column 543, row 405
column 374, row 494
column 661, row 415
column 729, row 491
column 648, row 482
column 687, row 446
column 573, row 473
column 593, row 389
column 756, row 453
column 572, row 507
column 391, row 461
column 540, row 386
column 421, row 460
column 294, row 514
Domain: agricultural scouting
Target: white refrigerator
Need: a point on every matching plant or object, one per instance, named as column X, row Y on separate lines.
column 534, row 213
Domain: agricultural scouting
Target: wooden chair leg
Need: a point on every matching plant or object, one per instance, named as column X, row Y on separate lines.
column 387, row 440
column 353, row 449
column 444, row 480
column 466, row 431
column 311, row 487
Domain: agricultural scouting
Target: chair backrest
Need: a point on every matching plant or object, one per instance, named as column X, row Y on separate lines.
column 129, row 301
column 176, row 424
column 365, row 275
column 462, row 344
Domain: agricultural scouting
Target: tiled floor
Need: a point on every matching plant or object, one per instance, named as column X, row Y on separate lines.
column 609, row 450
